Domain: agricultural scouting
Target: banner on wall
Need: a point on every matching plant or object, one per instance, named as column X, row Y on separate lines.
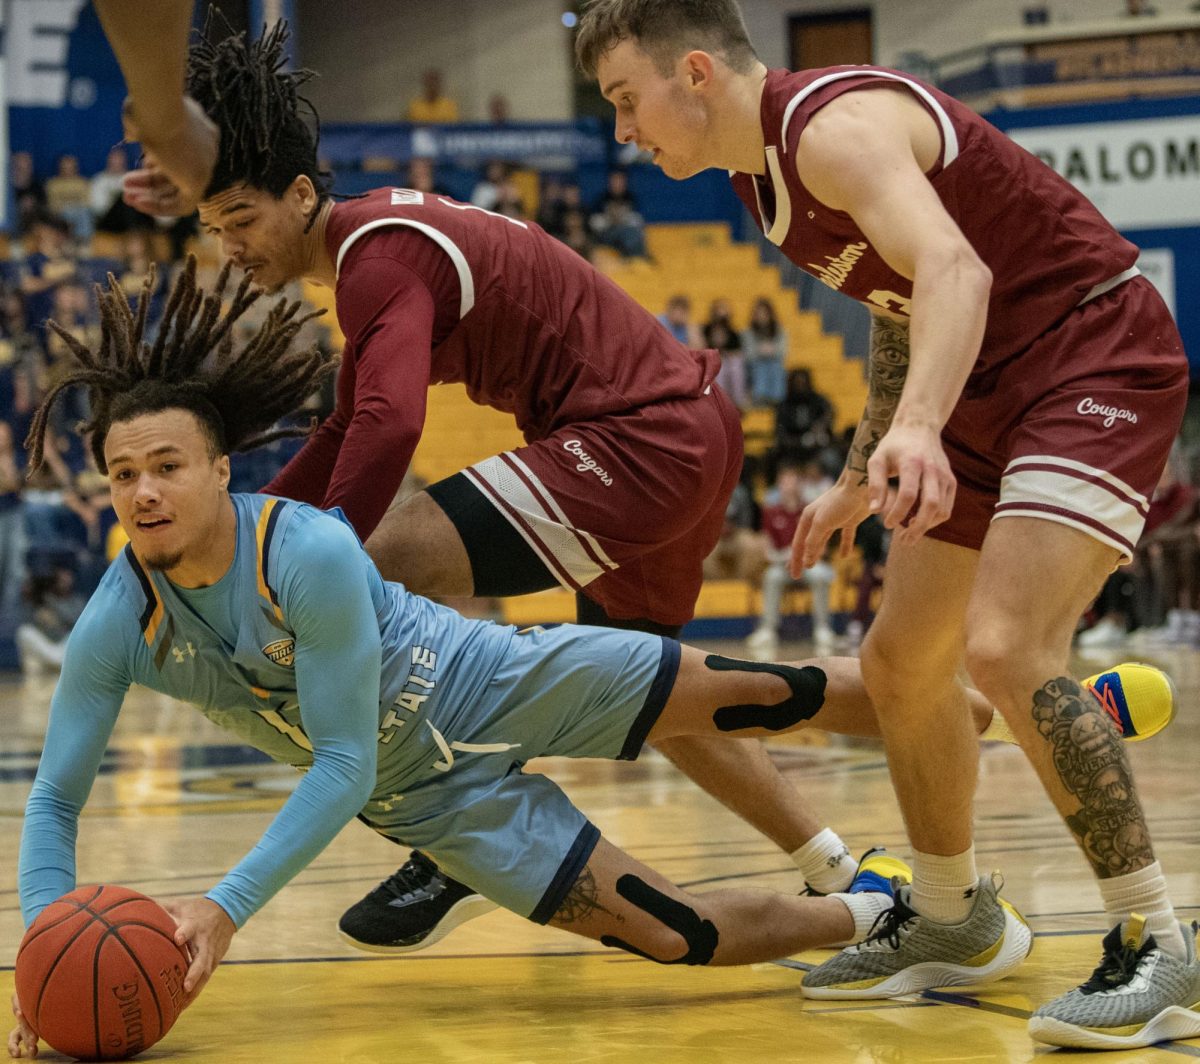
column 63, row 86
column 1141, row 174
column 1158, row 264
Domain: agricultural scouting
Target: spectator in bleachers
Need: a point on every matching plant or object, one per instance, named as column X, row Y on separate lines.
column 433, row 105
column 765, row 346
column 53, row 606
column 616, row 222
column 720, row 335
column 421, row 176
column 137, row 258
column 872, row 540
column 1168, row 552
column 738, row 554
column 559, row 200
column 69, row 195
column 499, row 111
column 804, row 420
column 12, row 525
column 678, row 321
column 489, row 188
column 1139, row 8
column 796, row 486
column 27, row 191
column 552, row 207
column 111, row 213
column 1162, row 577
column 51, row 263
column 73, row 311
column 576, row 236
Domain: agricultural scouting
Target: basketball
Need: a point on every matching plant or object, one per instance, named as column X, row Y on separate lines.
column 99, row 975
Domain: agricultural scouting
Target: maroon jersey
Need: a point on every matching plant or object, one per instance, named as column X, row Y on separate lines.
column 434, row 291
column 779, row 524
column 1048, row 248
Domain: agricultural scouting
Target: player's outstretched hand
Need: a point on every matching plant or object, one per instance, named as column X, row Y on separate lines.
column 23, row 1040
column 843, row 507
column 912, row 453
column 177, row 166
column 206, row 930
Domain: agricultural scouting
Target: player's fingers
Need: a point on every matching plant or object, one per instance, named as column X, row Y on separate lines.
column 815, row 542
column 877, row 482
column 846, row 547
column 907, row 492
column 796, row 562
column 930, row 507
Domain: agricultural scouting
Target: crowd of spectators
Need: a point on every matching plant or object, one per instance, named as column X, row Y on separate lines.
column 57, row 530
column 1155, row 600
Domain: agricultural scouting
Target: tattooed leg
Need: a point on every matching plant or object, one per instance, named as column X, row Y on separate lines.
column 622, row 903
column 1092, row 764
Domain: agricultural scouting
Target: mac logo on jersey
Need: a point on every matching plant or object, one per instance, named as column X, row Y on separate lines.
column 402, row 196
column 282, row 652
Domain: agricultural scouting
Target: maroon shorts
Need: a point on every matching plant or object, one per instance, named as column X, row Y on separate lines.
column 626, row 506
column 1077, row 428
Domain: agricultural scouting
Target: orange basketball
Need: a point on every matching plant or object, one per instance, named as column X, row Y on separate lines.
column 99, row 976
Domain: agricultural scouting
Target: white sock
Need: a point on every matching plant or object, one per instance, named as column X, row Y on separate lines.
column 1145, row 892
column 941, row 886
column 826, row 862
column 998, row 730
column 865, row 909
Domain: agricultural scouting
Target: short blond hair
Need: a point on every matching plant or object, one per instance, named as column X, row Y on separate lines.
column 664, row 30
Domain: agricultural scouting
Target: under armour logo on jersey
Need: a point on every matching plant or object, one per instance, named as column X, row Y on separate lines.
column 181, row 654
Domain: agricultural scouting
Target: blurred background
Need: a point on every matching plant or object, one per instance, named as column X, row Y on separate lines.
column 481, row 101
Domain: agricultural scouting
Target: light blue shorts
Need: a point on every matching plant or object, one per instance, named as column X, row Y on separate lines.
column 512, row 835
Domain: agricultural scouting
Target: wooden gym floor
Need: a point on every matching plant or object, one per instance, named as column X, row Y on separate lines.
column 178, row 803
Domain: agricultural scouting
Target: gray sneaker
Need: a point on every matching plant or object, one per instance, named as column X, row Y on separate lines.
column 1138, row 995
column 907, row 953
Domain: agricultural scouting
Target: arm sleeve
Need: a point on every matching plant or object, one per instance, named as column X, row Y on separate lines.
column 84, row 708
column 306, row 477
column 388, row 314
column 326, row 597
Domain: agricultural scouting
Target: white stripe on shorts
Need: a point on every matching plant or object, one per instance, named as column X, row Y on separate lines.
column 1072, row 493
column 573, row 557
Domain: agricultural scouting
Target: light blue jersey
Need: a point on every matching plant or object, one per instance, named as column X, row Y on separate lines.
column 392, row 706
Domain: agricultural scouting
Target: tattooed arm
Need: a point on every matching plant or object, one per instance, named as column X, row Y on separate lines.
column 887, row 370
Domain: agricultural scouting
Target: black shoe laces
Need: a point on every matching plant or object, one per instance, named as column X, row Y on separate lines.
column 415, row 874
column 888, row 924
column 1118, row 965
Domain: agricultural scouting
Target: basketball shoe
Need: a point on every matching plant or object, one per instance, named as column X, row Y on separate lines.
column 879, row 872
column 413, row 908
column 1138, row 995
column 906, row 953
column 1139, row 698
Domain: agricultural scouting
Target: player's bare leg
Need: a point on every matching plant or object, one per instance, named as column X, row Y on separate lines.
column 1035, row 578
column 418, row 545
column 624, row 904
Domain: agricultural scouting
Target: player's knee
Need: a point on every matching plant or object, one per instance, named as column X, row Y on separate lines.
column 678, row 933
column 409, row 548
column 806, row 685
column 994, row 653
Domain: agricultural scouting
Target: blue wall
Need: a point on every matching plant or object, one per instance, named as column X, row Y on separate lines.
column 1183, row 241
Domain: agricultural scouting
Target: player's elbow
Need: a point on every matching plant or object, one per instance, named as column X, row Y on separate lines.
column 955, row 265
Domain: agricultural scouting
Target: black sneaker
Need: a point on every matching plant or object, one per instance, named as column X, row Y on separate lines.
column 413, row 908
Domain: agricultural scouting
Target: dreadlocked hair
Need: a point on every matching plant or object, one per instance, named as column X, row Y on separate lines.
column 237, row 396
column 243, row 87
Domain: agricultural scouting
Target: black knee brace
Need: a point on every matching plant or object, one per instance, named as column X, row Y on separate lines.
column 700, row 935
column 808, row 696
